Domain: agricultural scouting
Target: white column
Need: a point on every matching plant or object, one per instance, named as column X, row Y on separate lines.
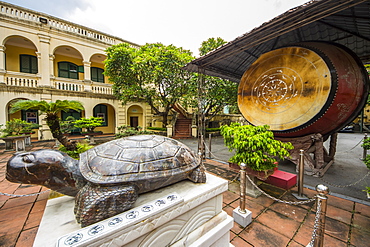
column 2, row 64
column 51, row 64
column 38, row 55
column 3, row 114
column 87, row 75
column 44, row 60
column 88, row 110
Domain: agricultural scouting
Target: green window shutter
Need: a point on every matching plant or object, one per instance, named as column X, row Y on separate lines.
column 63, row 70
column 34, row 66
column 101, row 76
column 28, row 64
column 93, row 72
column 68, row 70
column 25, row 64
column 73, row 71
column 97, row 74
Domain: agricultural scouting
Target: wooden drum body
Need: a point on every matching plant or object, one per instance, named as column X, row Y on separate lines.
column 308, row 88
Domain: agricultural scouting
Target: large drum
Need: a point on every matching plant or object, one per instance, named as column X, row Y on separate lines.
column 308, row 88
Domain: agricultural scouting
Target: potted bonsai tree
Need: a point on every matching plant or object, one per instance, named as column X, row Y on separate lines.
column 18, row 127
column 256, row 147
column 17, row 130
column 89, row 124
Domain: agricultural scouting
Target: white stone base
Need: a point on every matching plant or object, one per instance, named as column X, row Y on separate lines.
column 242, row 219
column 194, row 219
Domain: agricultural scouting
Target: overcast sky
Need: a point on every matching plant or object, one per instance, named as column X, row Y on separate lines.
column 181, row 23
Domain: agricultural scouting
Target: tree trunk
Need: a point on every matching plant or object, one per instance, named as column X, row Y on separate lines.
column 53, row 123
column 165, row 119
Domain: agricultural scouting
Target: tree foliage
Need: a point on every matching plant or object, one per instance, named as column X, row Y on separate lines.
column 210, row 45
column 217, row 92
column 150, row 74
column 52, row 110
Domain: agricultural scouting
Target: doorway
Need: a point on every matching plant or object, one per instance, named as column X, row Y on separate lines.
column 134, row 122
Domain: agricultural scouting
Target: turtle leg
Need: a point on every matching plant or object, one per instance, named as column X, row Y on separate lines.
column 198, row 175
column 95, row 203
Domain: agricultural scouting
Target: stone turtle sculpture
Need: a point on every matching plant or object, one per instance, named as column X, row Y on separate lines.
column 108, row 178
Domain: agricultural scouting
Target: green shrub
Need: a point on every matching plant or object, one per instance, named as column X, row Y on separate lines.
column 254, row 145
column 212, row 129
column 125, row 130
column 157, row 128
column 81, row 147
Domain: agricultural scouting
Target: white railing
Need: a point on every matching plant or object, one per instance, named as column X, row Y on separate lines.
column 69, row 84
column 20, row 79
column 102, row 89
column 14, row 11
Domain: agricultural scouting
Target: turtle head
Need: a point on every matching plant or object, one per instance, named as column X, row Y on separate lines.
column 50, row 168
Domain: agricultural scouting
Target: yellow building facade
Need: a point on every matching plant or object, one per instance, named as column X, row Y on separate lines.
column 46, row 58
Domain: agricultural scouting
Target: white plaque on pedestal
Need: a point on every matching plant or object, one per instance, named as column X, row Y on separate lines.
column 195, row 216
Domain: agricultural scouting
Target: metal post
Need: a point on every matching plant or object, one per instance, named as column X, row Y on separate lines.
column 301, row 170
column 319, row 227
column 300, row 195
column 242, row 188
column 365, row 150
column 209, row 146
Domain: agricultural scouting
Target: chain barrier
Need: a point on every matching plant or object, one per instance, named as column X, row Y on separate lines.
column 279, row 200
column 316, row 224
column 353, row 147
column 211, row 153
column 14, row 195
column 348, row 185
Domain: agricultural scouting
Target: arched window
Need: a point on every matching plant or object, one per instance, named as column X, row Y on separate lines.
column 28, row 64
column 97, row 74
column 68, row 70
column 102, row 112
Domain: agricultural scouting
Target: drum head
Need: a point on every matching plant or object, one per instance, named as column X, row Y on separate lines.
column 312, row 87
column 285, row 88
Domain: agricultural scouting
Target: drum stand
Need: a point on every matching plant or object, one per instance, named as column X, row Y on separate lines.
column 317, row 159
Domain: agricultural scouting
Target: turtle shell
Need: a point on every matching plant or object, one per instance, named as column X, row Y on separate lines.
column 136, row 158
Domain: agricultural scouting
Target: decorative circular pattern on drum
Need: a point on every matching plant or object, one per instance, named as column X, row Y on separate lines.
column 310, row 87
column 275, row 89
column 284, row 88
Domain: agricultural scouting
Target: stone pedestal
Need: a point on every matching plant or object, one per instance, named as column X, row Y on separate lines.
column 251, row 190
column 17, row 143
column 183, row 214
column 242, row 219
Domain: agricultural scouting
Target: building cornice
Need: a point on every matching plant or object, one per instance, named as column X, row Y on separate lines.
column 16, row 14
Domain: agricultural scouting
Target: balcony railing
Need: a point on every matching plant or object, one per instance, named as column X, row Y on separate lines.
column 102, row 89
column 17, row 12
column 69, row 84
column 21, row 79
